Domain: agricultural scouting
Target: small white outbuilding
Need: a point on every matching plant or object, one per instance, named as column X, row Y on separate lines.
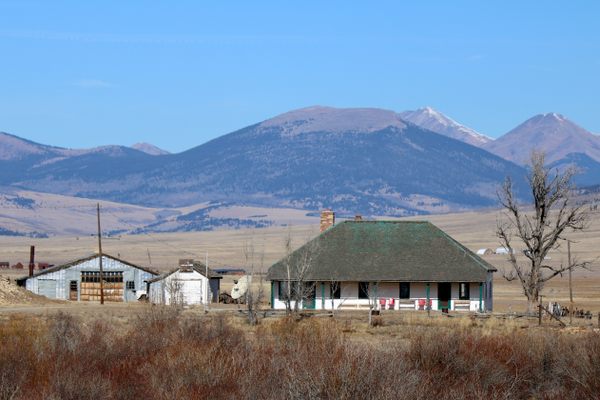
column 503, row 250
column 485, row 252
column 185, row 285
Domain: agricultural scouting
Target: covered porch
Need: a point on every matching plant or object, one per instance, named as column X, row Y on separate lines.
column 451, row 296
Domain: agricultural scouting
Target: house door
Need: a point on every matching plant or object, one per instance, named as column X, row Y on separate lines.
column 444, row 295
column 310, row 300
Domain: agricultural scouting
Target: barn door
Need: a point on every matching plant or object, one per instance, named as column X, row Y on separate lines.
column 73, row 290
column 47, row 288
column 112, row 285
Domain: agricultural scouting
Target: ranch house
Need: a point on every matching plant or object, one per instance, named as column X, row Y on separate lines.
column 410, row 265
column 79, row 280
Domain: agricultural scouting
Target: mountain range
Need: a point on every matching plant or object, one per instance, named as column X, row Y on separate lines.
column 359, row 160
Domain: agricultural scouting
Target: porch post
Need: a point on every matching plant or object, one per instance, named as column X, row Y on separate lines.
column 480, row 296
column 322, row 295
column 272, row 294
column 428, row 305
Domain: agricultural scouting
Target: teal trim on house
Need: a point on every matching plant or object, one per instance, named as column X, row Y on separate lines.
column 272, row 294
column 480, row 297
column 322, row 295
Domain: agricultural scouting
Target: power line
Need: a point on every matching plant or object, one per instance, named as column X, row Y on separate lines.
column 166, row 243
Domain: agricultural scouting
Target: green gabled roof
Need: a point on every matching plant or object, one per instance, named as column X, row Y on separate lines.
column 385, row 251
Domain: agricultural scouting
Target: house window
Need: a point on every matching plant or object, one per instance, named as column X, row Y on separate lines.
column 363, row 290
column 463, row 291
column 405, row 290
column 283, row 290
column 282, row 293
column 130, row 285
column 334, row 290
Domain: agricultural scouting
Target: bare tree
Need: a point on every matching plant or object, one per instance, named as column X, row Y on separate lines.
column 174, row 291
column 254, row 295
column 540, row 228
column 334, row 286
column 288, row 268
column 298, row 266
column 372, row 293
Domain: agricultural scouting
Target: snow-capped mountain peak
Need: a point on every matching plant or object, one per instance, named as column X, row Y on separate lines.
column 552, row 133
column 435, row 121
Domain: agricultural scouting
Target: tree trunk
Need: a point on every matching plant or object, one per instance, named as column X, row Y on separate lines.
column 533, row 297
column 532, row 306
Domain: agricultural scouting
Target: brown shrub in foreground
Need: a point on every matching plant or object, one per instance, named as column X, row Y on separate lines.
column 165, row 356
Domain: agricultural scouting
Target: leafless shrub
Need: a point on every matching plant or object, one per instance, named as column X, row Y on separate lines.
column 64, row 333
column 166, row 355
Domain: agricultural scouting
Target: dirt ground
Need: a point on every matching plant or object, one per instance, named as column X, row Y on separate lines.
column 475, row 230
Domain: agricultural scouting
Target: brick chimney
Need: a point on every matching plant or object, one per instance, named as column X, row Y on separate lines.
column 358, row 218
column 327, row 219
column 186, row 264
column 31, row 260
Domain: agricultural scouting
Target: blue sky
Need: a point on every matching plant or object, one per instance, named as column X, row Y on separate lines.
column 179, row 73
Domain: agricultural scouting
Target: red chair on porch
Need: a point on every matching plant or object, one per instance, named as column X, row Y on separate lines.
column 382, row 304
column 391, row 303
column 424, row 303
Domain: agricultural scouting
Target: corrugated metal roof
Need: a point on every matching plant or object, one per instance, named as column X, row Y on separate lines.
column 80, row 260
column 386, row 251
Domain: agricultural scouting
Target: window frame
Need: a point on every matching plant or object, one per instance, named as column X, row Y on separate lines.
column 337, row 294
column 407, row 286
column 282, row 290
column 362, row 293
column 464, row 291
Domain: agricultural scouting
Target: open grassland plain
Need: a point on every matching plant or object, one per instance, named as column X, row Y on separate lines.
column 225, row 248
column 165, row 353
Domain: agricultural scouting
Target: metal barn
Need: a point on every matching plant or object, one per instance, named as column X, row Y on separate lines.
column 79, row 280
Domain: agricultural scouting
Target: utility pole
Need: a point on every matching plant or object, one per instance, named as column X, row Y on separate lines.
column 570, row 283
column 100, row 256
column 149, row 259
